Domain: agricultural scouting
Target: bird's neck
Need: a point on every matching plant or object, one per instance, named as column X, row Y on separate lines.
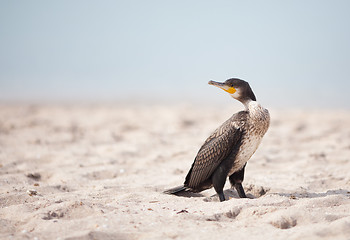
column 248, row 104
column 258, row 114
column 252, row 106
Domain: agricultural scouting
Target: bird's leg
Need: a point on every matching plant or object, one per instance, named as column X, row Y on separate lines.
column 218, row 180
column 240, row 190
column 221, row 196
column 236, row 180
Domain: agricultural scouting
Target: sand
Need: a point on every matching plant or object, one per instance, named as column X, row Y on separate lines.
column 98, row 172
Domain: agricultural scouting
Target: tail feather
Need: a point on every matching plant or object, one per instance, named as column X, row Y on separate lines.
column 175, row 190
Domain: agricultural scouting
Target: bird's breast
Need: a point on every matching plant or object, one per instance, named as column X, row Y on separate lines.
column 248, row 147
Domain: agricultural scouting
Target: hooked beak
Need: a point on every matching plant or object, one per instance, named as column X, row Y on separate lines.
column 223, row 86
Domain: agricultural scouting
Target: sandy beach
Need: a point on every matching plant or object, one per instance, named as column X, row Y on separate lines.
column 99, row 172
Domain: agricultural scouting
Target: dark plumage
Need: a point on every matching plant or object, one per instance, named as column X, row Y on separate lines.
column 227, row 150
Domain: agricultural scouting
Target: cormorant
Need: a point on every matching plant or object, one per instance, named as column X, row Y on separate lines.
column 226, row 151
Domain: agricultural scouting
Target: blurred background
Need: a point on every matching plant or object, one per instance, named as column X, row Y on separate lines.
column 293, row 53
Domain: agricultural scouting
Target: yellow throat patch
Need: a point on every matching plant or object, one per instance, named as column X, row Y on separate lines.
column 230, row 90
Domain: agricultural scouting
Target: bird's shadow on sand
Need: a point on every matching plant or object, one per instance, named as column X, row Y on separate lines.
column 229, row 194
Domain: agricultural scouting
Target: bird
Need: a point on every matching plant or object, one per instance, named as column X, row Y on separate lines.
column 227, row 150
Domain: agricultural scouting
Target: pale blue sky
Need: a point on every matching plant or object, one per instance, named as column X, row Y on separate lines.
column 294, row 53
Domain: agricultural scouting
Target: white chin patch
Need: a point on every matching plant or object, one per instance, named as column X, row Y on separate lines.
column 236, row 94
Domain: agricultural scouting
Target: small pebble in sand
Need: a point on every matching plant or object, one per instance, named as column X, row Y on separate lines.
column 32, row 192
column 35, row 176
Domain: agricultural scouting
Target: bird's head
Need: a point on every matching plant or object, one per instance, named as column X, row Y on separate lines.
column 237, row 88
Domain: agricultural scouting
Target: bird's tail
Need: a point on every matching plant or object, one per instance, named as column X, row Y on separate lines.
column 175, row 190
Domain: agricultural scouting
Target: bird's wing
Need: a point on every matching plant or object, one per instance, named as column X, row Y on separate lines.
column 215, row 149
